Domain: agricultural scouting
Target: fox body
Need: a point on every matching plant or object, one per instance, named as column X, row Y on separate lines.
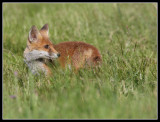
column 72, row 53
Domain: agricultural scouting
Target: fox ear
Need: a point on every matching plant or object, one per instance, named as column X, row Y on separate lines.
column 45, row 30
column 34, row 34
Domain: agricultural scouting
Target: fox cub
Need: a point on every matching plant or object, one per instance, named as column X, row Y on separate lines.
column 72, row 53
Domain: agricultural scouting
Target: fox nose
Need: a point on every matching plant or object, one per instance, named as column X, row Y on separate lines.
column 58, row 54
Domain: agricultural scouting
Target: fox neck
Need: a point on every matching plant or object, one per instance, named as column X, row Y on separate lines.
column 37, row 66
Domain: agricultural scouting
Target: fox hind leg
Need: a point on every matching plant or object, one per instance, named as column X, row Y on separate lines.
column 78, row 60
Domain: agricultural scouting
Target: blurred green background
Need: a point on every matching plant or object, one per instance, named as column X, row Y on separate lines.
column 126, row 87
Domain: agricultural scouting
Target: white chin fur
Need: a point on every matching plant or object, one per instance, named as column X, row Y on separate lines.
column 54, row 56
column 36, row 54
column 47, row 56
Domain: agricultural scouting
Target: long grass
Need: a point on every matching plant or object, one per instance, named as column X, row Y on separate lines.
column 124, row 88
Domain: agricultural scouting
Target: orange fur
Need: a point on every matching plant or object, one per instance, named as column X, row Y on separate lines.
column 74, row 53
column 49, row 73
column 78, row 54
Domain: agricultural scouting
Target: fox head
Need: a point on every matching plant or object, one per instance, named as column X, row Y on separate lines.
column 39, row 41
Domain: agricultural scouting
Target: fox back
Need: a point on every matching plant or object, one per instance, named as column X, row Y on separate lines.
column 78, row 54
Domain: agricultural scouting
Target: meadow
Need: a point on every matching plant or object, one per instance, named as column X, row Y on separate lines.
column 124, row 88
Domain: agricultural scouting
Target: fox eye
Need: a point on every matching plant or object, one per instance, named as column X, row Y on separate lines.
column 46, row 46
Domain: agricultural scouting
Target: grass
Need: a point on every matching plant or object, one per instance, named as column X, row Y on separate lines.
column 125, row 87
